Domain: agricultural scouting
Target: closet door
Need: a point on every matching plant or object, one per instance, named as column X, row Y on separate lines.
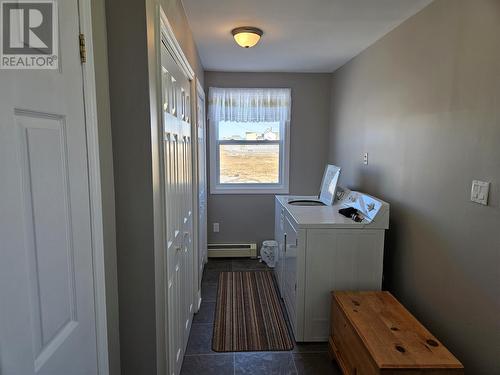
column 187, row 218
column 178, row 207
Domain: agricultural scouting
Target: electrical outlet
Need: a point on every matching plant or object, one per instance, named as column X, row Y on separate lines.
column 479, row 192
column 365, row 158
column 216, row 227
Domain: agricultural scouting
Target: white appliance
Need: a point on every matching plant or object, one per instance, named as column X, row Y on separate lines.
column 320, row 250
column 328, row 188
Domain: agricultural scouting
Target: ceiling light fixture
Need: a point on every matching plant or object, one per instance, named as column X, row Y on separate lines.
column 247, row 36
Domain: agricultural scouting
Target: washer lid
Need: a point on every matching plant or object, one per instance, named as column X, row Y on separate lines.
column 329, row 184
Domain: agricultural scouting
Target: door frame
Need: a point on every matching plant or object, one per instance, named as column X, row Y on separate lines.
column 195, row 87
column 201, row 92
column 95, row 196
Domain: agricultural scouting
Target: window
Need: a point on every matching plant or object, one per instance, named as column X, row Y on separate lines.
column 249, row 140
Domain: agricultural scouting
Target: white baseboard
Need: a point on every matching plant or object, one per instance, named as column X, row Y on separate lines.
column 226, row 250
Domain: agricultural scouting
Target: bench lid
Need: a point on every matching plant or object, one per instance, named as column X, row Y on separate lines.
column 393, row 337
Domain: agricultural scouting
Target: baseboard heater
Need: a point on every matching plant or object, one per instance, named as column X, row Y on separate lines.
column 232, row 250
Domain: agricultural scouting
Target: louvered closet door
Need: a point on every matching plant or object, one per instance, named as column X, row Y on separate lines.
column 177, row 186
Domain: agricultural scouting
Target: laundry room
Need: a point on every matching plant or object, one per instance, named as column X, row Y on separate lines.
column 230, row 187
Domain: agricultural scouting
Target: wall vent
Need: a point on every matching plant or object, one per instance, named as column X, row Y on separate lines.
column 232, row 250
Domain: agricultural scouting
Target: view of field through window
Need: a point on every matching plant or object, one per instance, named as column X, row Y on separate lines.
column 256, row 163
column 249, row 164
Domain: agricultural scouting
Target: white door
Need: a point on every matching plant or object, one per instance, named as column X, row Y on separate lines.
column 177, row 186
column 202, row 178
column 47, row 321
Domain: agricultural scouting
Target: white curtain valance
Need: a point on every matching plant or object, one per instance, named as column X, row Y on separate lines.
column 249, row 105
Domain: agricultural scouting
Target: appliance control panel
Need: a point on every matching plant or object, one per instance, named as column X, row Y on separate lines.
column 368, row 206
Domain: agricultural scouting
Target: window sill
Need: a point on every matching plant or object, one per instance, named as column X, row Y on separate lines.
column 243, row 191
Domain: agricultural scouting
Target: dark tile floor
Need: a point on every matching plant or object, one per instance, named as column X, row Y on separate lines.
column 304, row 359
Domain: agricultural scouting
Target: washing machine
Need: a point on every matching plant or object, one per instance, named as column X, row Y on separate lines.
column 321, row 250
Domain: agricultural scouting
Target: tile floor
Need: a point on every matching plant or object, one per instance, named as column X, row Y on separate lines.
column 304, row 359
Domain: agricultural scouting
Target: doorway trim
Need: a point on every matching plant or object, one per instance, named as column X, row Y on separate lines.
column 200, row 263
column 174, row 47
column 95, row 198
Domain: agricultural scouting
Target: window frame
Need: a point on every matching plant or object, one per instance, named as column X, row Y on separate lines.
column 216, row 187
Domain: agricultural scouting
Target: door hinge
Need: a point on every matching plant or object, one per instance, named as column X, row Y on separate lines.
column 83, row 48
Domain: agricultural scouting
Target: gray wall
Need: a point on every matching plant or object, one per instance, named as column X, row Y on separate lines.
column 126, row 22
column 107, row 181
column 251, row 217
column 424, row 102
column 130, row 30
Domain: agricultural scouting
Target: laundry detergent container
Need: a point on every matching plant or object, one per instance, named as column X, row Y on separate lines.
column 269, row 252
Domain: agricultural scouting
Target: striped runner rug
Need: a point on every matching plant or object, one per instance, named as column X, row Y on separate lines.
column 248, row 314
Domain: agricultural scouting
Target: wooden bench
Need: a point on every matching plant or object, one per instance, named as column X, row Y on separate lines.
column 372, row 333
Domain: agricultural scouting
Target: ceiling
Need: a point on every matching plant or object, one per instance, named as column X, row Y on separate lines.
column 299, row 35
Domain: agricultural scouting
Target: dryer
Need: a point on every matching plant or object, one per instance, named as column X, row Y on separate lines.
column 320, row 250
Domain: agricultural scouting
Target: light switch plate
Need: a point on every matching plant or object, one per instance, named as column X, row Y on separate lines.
column 216, row 228
column 365, row 158
column 479, row 192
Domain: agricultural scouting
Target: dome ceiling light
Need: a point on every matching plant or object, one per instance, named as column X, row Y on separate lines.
column 247, row 36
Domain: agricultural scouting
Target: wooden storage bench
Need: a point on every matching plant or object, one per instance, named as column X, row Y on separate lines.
column 372, row 333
